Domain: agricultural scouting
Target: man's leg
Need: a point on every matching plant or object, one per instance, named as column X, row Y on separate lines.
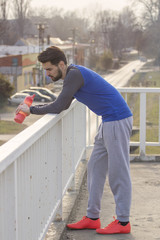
column 97, row 171
column 116, row 137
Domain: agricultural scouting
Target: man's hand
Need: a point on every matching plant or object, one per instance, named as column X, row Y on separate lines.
column 24, row 108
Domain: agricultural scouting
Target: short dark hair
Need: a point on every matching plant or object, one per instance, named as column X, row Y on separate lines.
column 52, row 54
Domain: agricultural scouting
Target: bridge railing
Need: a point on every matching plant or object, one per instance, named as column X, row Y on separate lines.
column 145, row 105
column 38, row 165
column 36, row 168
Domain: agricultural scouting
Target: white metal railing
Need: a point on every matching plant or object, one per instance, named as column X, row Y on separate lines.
column 38, row 165
column 36, row 168
column 142, row 143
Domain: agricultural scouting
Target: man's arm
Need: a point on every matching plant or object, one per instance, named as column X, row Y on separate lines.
column 72, row 83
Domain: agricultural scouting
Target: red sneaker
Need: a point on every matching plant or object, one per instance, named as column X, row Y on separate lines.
column 115, row 227
column 85, row 223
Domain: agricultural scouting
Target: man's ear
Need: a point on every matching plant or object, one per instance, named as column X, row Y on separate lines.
column 61, row 64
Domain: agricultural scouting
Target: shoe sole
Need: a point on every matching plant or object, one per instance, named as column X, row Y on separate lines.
column 81, row 228
column 112, row 233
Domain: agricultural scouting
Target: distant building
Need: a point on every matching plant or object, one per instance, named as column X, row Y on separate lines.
column 27, row 42
column 56, row 41
column 19, row 63
column 20, row 70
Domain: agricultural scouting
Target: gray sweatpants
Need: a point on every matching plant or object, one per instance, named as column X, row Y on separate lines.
column 110, row 156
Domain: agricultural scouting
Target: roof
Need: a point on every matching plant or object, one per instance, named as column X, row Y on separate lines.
column 27, row 42
column 56, row 41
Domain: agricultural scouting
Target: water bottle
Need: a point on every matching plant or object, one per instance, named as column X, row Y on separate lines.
column 19, row 118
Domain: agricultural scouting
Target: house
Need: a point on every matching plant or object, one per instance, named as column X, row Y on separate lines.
column 19, row 70
column 20, row 65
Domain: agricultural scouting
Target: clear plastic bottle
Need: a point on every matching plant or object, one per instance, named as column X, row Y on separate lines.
column 19, row 118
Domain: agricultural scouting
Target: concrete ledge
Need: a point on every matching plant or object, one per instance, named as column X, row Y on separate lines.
column 147, row 158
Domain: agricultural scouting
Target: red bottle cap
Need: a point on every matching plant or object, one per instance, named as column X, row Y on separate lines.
column 28, row 100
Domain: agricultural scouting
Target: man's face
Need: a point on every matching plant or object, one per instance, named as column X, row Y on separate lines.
column 52, row 71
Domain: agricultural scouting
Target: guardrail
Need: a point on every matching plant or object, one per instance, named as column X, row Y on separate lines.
column 36, row 168
column 142, row 94
column 144, row 110
column 38, row 165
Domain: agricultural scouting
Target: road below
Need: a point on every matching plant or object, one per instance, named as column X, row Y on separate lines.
column 121, row 77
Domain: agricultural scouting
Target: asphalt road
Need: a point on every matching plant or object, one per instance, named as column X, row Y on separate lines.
column 120, row 77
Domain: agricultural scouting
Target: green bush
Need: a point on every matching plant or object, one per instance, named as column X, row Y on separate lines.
column 116, row 65
column 93, row 59
column 105, row 61
column 6, row 89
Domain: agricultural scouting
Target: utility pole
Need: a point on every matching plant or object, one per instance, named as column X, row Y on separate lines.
column 105, row 34
column 41, row 29
column 73, row 43
column 3, row 23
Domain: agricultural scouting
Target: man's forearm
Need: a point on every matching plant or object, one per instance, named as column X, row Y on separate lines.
column 49, row 108
column 62, row 103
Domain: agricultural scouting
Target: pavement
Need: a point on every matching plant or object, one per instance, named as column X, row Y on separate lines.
column 145, row 210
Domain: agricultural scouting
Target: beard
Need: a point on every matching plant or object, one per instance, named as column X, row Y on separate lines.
column 59, row 76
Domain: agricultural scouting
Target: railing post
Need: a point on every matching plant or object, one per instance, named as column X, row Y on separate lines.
column 89, row 128
column 142, row 124
column 126, row 97
column 97, row 123
column 16, row 199
column 85, row 128
column 72, row 185
column 159, row 120
column 60, row 209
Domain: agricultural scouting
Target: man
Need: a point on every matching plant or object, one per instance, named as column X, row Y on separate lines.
column 111, row 148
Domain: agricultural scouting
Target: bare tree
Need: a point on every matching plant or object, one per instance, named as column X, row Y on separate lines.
column 150, row 20
column 3, row 20
column 102, row 28
column 150, row 11
column 20, row 11
column 115, row 31
column 3, row 7
column 130, row 25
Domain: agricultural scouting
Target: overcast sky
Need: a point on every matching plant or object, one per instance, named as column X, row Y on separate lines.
column 117, row 5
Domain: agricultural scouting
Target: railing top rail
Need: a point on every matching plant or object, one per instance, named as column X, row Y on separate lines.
column 138, row 89
column 22, row 141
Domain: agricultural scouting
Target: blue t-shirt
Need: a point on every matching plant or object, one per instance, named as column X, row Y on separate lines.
column 101, row 97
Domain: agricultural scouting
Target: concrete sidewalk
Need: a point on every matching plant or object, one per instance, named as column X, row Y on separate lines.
column 145, row 211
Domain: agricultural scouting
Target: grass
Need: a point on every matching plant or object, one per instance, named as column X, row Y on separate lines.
column 10, row 127
column 1, row 142
column 7, row 108
column 151, row 136
column 145, row 79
